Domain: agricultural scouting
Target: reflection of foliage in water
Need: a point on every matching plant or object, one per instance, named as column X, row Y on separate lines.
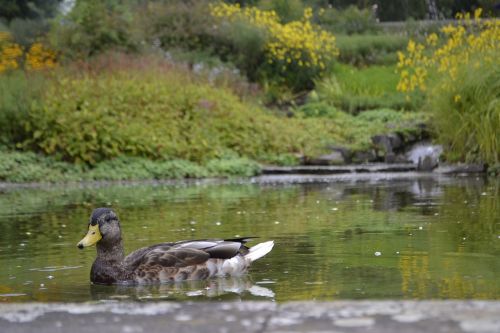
column 326, row 235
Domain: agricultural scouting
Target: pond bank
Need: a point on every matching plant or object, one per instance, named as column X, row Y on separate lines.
column 339, row 316
column 283, row 175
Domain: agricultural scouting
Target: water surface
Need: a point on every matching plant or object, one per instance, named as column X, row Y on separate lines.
column 426, row 238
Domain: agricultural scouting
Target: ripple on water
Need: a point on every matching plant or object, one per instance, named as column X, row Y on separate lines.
column 54, row 268
column 13, row 295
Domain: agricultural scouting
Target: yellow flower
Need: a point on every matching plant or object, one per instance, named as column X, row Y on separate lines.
column 297, row 43
column 461, row 44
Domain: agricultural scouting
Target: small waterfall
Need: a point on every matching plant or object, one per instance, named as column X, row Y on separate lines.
column 425, row 156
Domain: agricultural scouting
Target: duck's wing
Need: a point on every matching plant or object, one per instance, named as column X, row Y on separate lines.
column 186, row 253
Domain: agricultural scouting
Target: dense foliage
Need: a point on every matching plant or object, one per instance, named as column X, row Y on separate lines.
column 129, row 89
column 295, row 53
column 458, row 70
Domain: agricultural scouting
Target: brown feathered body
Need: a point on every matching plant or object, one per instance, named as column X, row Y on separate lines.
column 166, row 262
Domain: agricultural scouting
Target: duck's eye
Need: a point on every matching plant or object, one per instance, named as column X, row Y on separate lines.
column 93, row 232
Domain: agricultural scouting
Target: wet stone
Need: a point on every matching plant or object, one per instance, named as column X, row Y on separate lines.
column 340, row 316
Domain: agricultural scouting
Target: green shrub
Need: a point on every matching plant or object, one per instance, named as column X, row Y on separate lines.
column 159, row 113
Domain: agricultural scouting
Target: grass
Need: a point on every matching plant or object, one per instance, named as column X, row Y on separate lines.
column 466, row 118
column 357, row 89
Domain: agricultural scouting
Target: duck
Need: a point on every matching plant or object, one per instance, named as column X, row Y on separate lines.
column 165, row 262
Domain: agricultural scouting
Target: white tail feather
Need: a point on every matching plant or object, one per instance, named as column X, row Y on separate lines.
column 259, row 250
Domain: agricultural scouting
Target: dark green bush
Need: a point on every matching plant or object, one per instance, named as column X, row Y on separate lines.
column 179, row 24
column 351, row 20
column 93, row 27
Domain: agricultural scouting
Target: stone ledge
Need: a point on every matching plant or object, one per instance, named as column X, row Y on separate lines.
column 339, row 316
column 331, row 169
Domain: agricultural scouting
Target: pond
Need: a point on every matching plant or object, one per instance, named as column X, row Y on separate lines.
column 423, row 237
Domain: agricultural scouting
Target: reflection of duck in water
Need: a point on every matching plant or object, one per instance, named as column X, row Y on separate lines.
column 165, row 262
column 228, row 288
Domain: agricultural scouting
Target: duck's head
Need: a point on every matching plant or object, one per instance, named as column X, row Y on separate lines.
column 104, row 226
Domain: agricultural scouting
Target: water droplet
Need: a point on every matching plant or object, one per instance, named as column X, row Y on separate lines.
column 22, row 244
column 218, row 223
column 28, row 233
column 436, row 214
column 42, row 285
column 484, row 193
column 397, row 252
column 317, row 201
column 276, row 222
column 50, row 277
column 420, row 228
column 377, row 253
column 63, row 225
column 335, row 208
column 192, row 222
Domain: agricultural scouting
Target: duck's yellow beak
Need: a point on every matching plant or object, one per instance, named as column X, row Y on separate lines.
column 92, row 237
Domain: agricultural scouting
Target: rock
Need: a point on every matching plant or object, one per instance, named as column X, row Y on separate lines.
column 387, row 145
column 428, row 163
column 471, row 316
column 462, row 168
column 364, row 156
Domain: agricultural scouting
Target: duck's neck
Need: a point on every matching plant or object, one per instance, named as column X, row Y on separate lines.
column 111, row 253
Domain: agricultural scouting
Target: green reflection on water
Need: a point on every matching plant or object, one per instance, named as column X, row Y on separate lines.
column 401, row 239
